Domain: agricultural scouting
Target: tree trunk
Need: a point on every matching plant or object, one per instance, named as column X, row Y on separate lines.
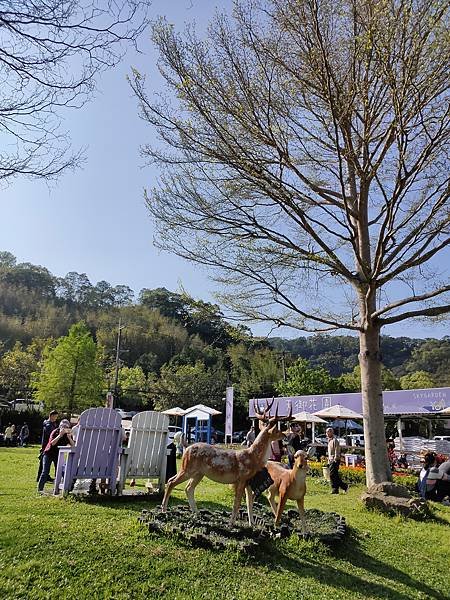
column 377, row 463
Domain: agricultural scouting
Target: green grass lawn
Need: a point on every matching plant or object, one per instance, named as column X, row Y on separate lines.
column 56, row 548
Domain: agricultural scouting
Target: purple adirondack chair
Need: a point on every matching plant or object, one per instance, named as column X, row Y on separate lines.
column 96, row 452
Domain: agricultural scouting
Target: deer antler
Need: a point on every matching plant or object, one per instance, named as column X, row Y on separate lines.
column 278, row 419
column 265, row 415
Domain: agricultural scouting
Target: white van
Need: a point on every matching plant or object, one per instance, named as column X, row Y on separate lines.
column 356, row 439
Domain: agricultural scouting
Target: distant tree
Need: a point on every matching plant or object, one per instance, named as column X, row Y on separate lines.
column 50, row 55
column 70, row 378
column 32, row 277
column 133, row 387
column 145, row 331
column 351, row 382
column 75, row 287
column 432, row 356
column 305, row 163
column 16, row 369
column 417, row 381
column 122, row 295
column 254, row 372
column 303, row 380
column 7, row 260
column 187, row 385
column 169, row 304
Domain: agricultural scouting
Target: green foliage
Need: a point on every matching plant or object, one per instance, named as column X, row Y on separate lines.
column 351, row 382
column 256, row 372
column 185, row 385
column 132, row 387
column 71, row 378
column 16, row 369
column 303, row 380
column 416, row 381
column 432, row 356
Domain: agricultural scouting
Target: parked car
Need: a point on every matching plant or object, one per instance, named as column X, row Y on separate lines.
column 239, row 436
column 442, row 438
column 20, row 404
column 126, row 414
column 356, row 439
column 171, row 434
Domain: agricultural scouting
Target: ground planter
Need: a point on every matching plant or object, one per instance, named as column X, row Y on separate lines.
column 211, row 529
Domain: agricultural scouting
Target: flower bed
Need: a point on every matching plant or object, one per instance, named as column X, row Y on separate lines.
column 358, row 475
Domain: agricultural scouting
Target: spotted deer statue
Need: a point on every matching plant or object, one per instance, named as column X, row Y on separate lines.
column 228, row 466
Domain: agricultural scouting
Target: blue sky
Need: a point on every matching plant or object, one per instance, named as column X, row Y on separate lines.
column 94, row 220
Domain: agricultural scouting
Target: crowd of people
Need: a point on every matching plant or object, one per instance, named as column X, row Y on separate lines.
column 13, row 436
column 433, row 481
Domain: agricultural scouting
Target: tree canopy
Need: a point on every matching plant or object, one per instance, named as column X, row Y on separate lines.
column 71, row 378
column 50, row 54
column 304, row 162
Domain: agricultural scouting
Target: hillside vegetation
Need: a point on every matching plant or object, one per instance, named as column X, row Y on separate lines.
column 176, row 350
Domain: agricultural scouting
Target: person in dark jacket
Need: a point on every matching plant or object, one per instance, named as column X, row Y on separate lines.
column 58, row 437
column 48, row 427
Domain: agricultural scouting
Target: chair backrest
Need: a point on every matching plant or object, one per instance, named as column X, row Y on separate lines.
column 147, row 446
column 98, row 443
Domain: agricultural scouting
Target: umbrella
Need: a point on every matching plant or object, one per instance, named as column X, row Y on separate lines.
column 306, row 417
column 338, row 412
column 176, row 412
column 348, row 423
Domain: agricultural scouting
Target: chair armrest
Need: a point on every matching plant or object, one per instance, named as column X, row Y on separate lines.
column 66, row 448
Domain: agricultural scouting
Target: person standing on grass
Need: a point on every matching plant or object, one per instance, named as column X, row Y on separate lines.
column 250, row 437
column 48, row 427
column 9, row 434
column 24, row 435
column 334, row 462
column 61, row 436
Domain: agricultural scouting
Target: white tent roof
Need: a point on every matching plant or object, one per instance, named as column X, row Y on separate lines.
column 338, row 412
column 306, row 417
column 176, row 411
column 201, row 408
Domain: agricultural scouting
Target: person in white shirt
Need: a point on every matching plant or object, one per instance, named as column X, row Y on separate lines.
column 334, row 462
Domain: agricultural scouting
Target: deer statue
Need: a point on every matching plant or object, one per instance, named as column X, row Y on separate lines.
column 228, row 466
column 288, row 484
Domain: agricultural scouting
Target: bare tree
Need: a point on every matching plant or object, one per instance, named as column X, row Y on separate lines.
column 305, row 162
column 50, row 54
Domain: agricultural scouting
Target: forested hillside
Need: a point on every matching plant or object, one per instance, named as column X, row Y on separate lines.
column 174, row 350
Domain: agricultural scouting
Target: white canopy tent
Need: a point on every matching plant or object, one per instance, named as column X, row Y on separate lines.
column 306, row 417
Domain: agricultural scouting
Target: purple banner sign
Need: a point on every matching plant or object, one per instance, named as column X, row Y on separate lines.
column 399, row 402
column 229, row 413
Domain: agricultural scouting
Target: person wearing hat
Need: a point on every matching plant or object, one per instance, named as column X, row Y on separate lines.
column 62, row 436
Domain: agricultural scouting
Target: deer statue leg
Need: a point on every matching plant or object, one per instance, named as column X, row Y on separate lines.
column 190, row 491
column 249, row 497
column 281, row 504
column 173, row 481
column 238, row 493
column 301, row 510
column 271, row 497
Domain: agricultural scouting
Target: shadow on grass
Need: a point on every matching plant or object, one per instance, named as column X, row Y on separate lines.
column 349, row 551
column 278, row 556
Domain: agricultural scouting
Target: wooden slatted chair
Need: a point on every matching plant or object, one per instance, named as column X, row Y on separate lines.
column 146, row 454
column 96, row 452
